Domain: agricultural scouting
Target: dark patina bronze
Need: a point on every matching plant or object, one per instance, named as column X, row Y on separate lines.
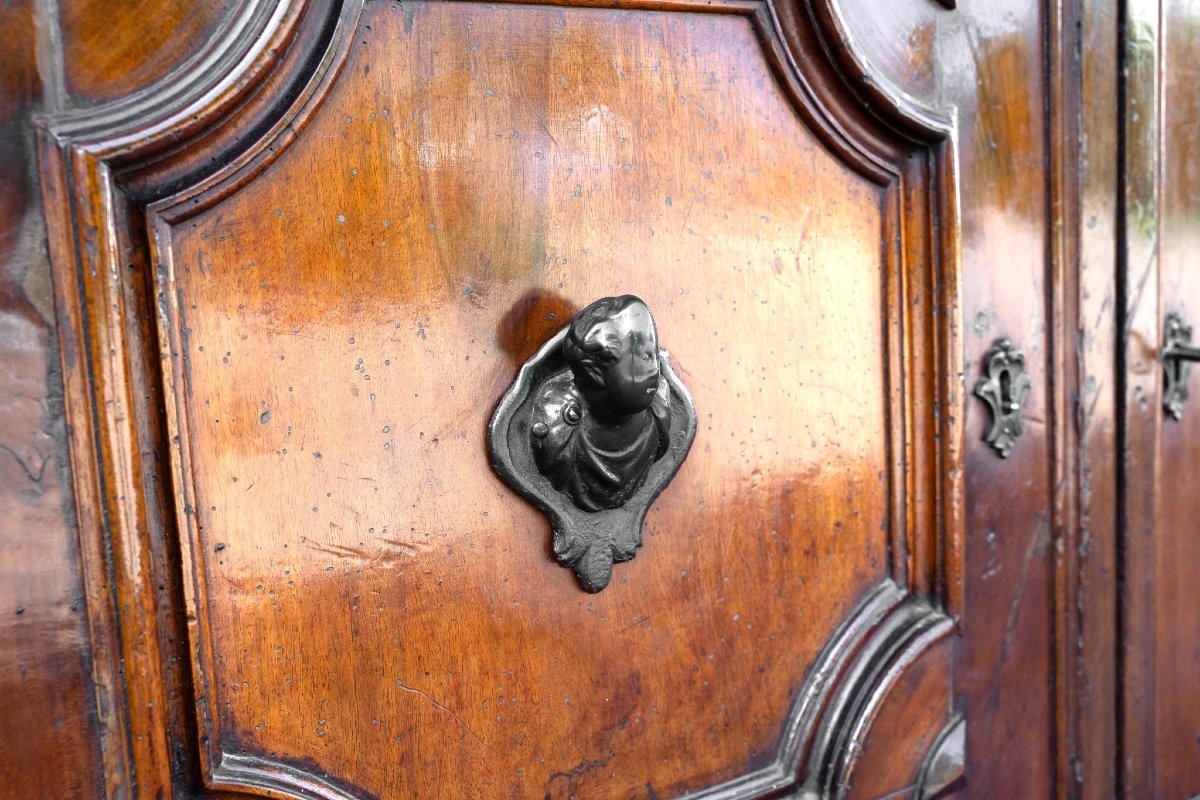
column 1178, row 353
column 591, row 432
column 1004, row 387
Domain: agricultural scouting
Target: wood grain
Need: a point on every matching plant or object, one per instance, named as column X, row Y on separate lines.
column 320, row 269
column 1161, row 627
column 904, row 730
column 1176, row 617
column 991, row 57
column 333, row 357
column 343, row 357
column 111, row 50
column 1083, row 228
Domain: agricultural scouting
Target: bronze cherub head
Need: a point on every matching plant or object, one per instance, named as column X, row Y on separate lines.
column 598, row 426
column 592, row 431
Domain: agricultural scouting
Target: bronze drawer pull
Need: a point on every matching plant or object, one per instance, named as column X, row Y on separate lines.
column 591, row 432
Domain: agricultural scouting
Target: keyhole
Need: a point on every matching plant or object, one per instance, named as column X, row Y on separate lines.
column 1007, row 401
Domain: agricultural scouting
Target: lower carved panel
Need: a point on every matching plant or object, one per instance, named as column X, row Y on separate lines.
column 823, row 740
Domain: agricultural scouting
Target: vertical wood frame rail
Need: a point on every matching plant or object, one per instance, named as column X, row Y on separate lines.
column 115, row 177
column 1082, row 78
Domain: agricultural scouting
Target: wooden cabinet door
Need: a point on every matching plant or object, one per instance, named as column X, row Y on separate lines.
column 300, row 321
column 1160, row 620
column 295, row 278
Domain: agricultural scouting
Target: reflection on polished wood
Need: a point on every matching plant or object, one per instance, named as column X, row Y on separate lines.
column 301, row 249
column 357, row 583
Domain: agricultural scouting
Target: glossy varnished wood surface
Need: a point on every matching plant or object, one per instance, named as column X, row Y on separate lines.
column 371, row 594
column 47, row 652
column 875, row 501
column 1176, row 698
column 1161, row 622
column 1007, row 628
column 489, row 171
column 1084, row 231
column 991, row 72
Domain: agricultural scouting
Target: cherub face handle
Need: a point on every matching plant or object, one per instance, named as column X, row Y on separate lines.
column 630, row 341
column 592, row 431
column 600, row 424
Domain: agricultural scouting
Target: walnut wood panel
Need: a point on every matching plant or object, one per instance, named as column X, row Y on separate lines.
column 419, row 196
column 1084, row 195
column 1176, row 619
column 993, row 60
column 1009, row 554
column 130, row 563
column 387, row 562
column 45, row 694
column 1161, row 632
column 1084, row 521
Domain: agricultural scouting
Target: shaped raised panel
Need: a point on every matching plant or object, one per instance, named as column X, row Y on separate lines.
column 431, row 194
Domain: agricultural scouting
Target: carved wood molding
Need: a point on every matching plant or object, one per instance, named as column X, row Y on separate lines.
column 99, row 168
column 828, row 723
column 117, row 175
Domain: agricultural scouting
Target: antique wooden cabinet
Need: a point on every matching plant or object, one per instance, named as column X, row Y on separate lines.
column 327, row 478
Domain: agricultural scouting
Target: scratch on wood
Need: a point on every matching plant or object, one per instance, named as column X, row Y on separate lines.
column 573, row 775
column 456, row 717
column 1036, row 544
column 27, row 467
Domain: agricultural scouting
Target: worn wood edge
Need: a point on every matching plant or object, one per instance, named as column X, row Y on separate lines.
column 1062, row 266
column 831, row 123
column 280, row 132
column 926, row 381
column 103, row 444
column 1079, row 360
column 947, row 277
column 698, row 6
column 87, row 475
column 897, row 411
column 234, row 60
column 204, row 711
column 1139, row 412
column 275, row 780
column 894, row 106
column 830, row 718
column 1084, row 79
column 221, row 769
column 784, row 774
column 799, row 78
